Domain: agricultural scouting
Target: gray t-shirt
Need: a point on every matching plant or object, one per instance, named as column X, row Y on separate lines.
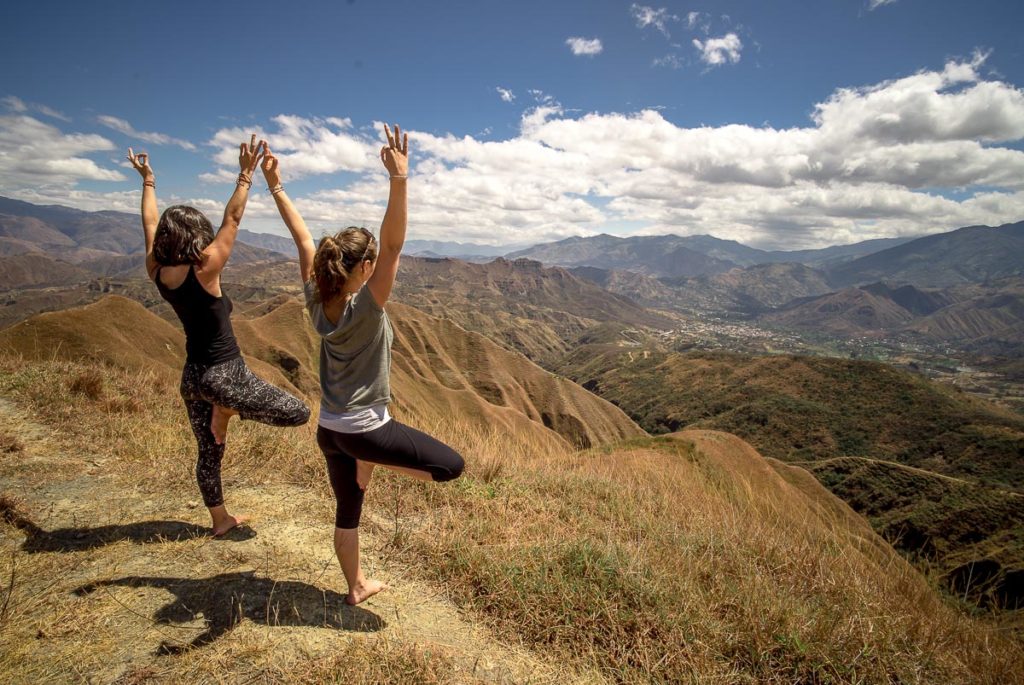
column 355, row 354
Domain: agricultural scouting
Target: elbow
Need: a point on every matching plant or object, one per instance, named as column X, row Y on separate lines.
column 232, row 219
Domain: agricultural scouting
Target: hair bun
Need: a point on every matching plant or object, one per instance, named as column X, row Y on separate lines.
column 337, row 255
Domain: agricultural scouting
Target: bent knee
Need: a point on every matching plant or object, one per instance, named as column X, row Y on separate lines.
column 301, row 415
column 452, row 470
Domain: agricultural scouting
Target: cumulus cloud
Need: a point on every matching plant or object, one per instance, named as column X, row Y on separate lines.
column 952, row 104
column 649, row 16
column 868, row 165
column 35, row 154
column 505, row 94
column 584, row 46
column 122, row 126
column 718, row 51
column 872, row 161
column 305, row 146
column 842, row 178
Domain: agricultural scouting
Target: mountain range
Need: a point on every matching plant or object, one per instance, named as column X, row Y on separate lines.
column 90, row 240
column 970, row 254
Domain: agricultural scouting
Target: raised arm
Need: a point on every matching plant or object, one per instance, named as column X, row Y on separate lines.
column 218, row 251
column 150, row 215
column 290, row 215
column 395, row 156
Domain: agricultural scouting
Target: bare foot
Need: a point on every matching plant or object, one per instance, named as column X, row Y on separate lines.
column 219, row 422
column 226, row 524
column 363, row 591
column 364, row 471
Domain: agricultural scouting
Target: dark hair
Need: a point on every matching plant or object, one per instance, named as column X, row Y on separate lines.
column 181, row 236
column 337, row 256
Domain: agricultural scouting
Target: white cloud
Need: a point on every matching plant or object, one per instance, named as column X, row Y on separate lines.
column 122, row 126
column 542, row 98
column 648, row 16
column 305, row 146
column 584, row 46
column 670, row 60
column 875, row 4
column 50, row 112
column 718, row 51
column 34, row 154
column 17, row 105
column 954, row 104
column 869, row 163
column 506, row 94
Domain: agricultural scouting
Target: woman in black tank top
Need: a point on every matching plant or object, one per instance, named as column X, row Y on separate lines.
column 185, row 259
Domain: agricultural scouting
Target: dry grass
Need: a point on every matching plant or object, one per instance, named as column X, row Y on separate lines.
column 649, row 562
column 366, row 662
column 653, row 563
column 109, row 635
column 9, row 442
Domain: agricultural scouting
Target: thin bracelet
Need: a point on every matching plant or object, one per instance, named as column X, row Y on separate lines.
column 151, row 184
column 400, row 176
column 242, row 178
column 276, row 189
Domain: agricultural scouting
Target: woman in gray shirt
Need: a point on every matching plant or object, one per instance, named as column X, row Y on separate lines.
column 347, row 280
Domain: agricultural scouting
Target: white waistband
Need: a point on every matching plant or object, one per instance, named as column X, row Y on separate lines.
column 356, row 421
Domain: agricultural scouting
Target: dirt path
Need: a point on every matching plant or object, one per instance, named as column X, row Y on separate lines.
column 100, row 582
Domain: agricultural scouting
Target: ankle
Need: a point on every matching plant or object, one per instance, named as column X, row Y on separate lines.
column 219, row 514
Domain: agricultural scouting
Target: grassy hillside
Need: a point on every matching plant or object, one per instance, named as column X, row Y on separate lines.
column 438, row 368
column 686, row 558
column 966, row 255
column 851, row 311
column 860, row 428
column 35, row 270
column 750, row 290
column 533, row 309
column 799, row 408
column 970, row 537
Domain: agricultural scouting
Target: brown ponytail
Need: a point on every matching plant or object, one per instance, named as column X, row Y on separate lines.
column 337, row 256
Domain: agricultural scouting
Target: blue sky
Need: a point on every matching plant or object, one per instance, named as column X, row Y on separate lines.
column 696, row 117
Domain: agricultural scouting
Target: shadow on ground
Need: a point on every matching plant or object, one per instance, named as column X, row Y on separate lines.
column 224, row 600
column 78, row 539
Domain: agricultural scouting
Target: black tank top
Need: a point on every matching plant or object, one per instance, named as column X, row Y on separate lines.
column 209, row 338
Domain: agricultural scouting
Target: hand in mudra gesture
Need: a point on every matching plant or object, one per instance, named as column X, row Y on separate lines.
column 140, row 162
column 395, row 155
column 249, row 155
column 271, row 172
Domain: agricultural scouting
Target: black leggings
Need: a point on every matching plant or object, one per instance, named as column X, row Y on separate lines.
column 393, row 444
column 230, row 384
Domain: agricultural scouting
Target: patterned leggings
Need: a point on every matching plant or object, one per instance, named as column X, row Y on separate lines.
column 230, row 384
